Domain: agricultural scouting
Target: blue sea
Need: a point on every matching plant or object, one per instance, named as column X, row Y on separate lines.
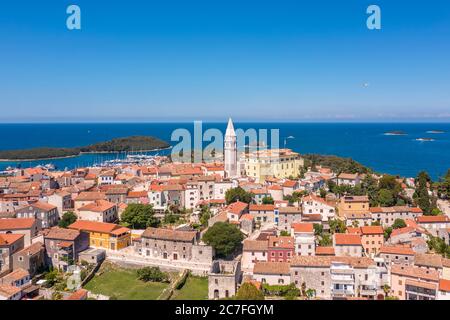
column 365, row 142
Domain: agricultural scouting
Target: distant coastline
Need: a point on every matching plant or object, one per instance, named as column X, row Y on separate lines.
column 120, row 145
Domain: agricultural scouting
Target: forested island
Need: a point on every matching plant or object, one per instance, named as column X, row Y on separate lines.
column 337, row 164
column 127, row 144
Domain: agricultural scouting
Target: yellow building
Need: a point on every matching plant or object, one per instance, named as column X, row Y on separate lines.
column 104, row 235
column 278, row 163
column 353, row 205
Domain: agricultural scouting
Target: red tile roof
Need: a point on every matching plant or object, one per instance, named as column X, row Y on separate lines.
column 9, row 238
column 372, row 230
column 237, row 207
column 262, row 207
column 344, row 239
column 324, row 251
column 432, row 219
column 303, row 227
column 444, row 285
column 94, row 226
column 16, row 223
column 402, row 250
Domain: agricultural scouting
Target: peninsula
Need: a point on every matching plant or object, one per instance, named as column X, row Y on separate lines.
column 127, row 144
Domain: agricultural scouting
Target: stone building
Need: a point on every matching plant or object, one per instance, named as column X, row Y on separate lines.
column 46, row 213
column 173, row 245
column 286, row 216
column 224, row 279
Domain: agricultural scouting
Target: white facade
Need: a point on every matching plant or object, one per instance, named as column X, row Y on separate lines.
column 191, row 197
column 305, row 244
column 312, row 206
column 220, row 188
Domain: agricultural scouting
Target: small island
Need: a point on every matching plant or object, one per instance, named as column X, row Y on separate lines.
column 436, row 131
column 127, row 144
column 424, row 139
column 395, row 133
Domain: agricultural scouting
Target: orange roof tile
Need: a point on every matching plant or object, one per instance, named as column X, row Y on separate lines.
column 372, row 230
column 444, row 285
column 94, row 226
column 344, row 239
column 303, row 227
column 16, row 223
column 325, row 251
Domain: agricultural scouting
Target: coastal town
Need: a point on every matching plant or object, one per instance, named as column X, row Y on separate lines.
column 262, row 224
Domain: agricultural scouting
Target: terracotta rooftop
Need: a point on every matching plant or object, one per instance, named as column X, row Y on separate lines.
column 281, row 242
column 262, row 207
column 414, row 272
column 43, row 206
column 62, row 234
column 17, row 223
column 16, row 275
column 372, row 230
column 303, row 227
column 9, row 238
column 271, row 268
column 344, row 239
column 32, row 249
column 169, row 234
column 293, row 210
column 325, row 251
column 428, row 260
column 90, row 196
column 237, row 207
column 402, row 250
column 94, row 226
column 8, row 291
column 326, row 261
column 255, row 245
column 98, row 206
column 80, row 294
column 444, row 285
column 432, row 219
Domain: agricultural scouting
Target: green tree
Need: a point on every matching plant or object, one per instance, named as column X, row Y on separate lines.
column 318, row 229
column 421, row 195
column 323, row 193
column 67, row 219
column 248, row 291
column 153, row 274
column 439, row 246
column 171, row 218
column 139, row 216
column 337, row 226
column 284, row 233
column 398, row 223
column 205, row 215
column 386, row 198
column 238, row 194
column 443, row 186
column 224, row 237
column 325, row 240
column 267, row 200
column 387, row 232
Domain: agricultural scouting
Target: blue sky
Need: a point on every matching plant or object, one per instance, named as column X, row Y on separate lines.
column 207, row 60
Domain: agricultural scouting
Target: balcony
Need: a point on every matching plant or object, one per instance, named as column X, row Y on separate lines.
column 342, row 292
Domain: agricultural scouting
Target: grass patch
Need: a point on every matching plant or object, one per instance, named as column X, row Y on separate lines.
column 195, row 288
column 123, row 284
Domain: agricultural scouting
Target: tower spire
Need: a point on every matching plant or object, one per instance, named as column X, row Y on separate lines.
column 230, row 151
